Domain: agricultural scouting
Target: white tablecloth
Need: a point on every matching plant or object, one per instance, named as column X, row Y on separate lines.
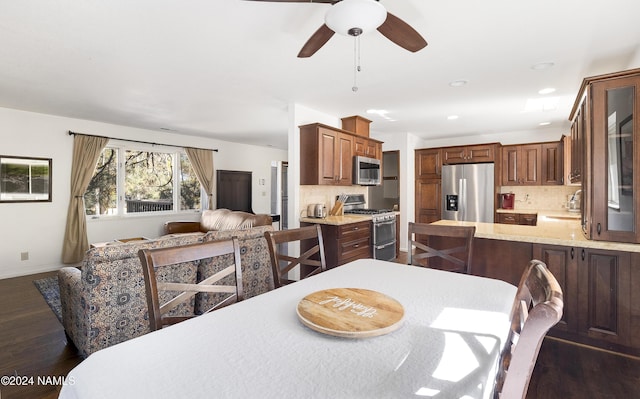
column 453, row 329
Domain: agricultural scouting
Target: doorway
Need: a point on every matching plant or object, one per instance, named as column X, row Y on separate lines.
column 387, row 195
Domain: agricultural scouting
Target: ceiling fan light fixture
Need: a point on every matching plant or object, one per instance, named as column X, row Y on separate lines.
column 354, row 17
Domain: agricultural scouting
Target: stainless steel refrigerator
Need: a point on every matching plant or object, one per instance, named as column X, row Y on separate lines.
column 468, row 192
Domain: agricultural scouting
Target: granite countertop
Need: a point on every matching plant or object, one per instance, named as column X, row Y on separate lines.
column 553, row 227
column 337, row 220
column 543, row 212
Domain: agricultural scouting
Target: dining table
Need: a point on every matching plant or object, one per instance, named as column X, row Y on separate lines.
column 445, row 343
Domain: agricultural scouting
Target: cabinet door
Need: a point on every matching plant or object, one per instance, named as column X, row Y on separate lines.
column 428, row 200
column 530, row 164
column 521, row 165
column 344, row 160
column 577, row 144
column 428, row 164
column 552, row 163
column 481, row 153
column 360, row 146
column 454, row 155
column 510, row 158
column 562, row 262
column 605, row 296
column 329, row 154
column 614, row 206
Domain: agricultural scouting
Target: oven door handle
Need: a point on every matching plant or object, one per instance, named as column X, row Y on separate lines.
column 376, row 224
column 385, row 245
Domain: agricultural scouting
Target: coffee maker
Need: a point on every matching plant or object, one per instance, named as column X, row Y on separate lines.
column 507, row 201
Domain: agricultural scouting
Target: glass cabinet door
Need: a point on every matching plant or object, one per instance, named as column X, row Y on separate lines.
column 615, row 109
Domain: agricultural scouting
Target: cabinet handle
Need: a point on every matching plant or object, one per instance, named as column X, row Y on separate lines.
column 599, row 228
column 572, row 254
column 356, row 246
column 582, row 253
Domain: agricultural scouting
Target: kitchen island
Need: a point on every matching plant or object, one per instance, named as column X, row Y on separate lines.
column 600, row 280
column 349, row 237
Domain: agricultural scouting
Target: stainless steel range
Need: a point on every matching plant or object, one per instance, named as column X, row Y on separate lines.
column 383, row 226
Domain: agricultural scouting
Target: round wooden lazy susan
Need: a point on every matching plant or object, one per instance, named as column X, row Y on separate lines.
column 350, row 312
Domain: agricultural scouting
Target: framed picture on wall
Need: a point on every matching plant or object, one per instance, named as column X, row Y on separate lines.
column 24, row 179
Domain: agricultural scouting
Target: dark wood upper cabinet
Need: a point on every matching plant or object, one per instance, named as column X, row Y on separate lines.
column 469, row 154
column 533, row 164
column 428, row 163
column 326, row 156
column 608, row 107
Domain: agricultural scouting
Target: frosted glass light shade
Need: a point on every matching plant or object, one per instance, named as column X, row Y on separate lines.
column 366, row 15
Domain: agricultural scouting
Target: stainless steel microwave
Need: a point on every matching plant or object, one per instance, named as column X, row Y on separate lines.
column 366, row 171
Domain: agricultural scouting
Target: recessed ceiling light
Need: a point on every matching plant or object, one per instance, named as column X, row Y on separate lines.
column 452, row 117
column 547, row 90
column 458, row 83
column 542, row 65
column 544, row 123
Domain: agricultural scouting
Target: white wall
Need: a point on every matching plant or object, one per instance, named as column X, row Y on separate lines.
column 38, row 228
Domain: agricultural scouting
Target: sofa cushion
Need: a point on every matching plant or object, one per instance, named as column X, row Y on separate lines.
column 225, row 219
column 257, row 273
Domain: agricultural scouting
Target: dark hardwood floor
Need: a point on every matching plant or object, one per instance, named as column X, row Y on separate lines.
column 33, row 344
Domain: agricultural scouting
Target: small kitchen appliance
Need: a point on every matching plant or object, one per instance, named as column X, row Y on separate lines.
column 316, row 211
column 507, row 200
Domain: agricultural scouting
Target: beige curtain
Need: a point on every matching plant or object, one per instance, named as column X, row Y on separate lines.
column 86, row 150
column 202, row 162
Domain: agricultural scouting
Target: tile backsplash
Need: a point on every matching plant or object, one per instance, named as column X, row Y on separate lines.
column 326, row 195
column 540, row 197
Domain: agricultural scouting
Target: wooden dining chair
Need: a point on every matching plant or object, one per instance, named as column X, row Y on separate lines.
column 171, row 274
column 536, row 308
column 447, row 248
column 311, row 260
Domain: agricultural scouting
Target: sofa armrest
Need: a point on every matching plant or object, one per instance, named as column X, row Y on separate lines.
column 181, row 227
column 70, row 283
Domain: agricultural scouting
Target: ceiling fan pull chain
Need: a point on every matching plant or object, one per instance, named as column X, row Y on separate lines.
column 356, row 62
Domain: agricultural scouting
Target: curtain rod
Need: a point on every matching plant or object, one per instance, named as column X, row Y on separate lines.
column 139, row 141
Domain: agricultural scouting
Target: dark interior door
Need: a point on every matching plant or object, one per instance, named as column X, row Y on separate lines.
column 233, row 190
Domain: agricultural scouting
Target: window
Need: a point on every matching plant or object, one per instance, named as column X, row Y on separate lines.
column 131, row 180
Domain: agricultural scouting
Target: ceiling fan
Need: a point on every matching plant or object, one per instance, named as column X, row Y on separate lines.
column 355, row 17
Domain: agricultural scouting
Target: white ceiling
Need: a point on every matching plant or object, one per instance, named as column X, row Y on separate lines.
column 228, row 69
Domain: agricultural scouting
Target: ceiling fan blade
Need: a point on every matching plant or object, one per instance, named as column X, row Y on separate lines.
column 316, row 41
column 298, row 1
column 399, row 32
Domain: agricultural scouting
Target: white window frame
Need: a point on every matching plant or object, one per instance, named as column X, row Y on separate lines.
column 122, row 147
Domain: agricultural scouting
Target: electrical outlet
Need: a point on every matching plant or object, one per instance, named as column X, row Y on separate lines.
column 24, row 255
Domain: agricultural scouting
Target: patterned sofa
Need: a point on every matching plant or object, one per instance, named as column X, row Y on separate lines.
column 104, row 302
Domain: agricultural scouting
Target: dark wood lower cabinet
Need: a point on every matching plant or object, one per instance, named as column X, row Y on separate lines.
column 601, row 288
column 502, row 260
column 345, row 243
column 597, row 289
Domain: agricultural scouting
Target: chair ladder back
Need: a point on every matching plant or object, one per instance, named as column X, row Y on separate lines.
column 153, row 260
column 283, row 263
column 537, row 307
column 448, row 237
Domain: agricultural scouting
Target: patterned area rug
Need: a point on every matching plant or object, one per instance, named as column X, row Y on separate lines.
column 50, row 290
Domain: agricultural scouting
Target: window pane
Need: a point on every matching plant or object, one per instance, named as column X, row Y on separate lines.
column 189, row 185
column 148, row 181
column 101, row 195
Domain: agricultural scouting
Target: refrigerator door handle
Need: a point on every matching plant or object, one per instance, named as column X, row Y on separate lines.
column 463, row 191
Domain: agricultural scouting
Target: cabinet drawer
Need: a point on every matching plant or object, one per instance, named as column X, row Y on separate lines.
column 354, row 230
column 528, row 219
column 511, row 218
column 354, row 249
